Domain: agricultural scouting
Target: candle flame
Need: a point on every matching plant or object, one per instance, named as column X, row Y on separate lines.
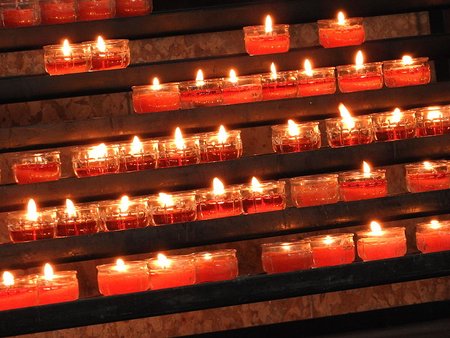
column 427, row 165
column 396, row 115
column 32, row 214
column 434, row 224
column 98, row 152
column 8, row 278
column 218, row 187
column 286, row 246
column 268, row 27
column 124, row 203
column 375, row 228
column 156, row 85
column 70, row 208
column 66, row 49
column 233, row 78
column 308, row 68
column 165, row 200
column 256, row 185
column 407, row 60
column 434, row 114
column 101, row 46
column 293, row 129
column 136, row 146
column 179, row 140
column 341, row 18
column 359, row 60
column 120, row 265
column 48, row 272
column 199, row 80
column 366, row 169
column 163, row 261
column 222, row 135
column 207, row 256
column 328, row 240
column 273, row 71
column 347, row 119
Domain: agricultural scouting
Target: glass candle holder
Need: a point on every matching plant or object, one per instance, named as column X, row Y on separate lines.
column 96, row 9
column 352, row 78
column 392, row 126
column 242, row 89
column 432, row 121
column 23, row 293
column 318, row 81
column 133, row 7
column 293, row 137
column 123, row 277
column 281, row 86
column 223, row 146
column 387, row 243
column 433, row 236
column 20, row 13
column 204, row 93
column 427, row 176
column 109, row 54
column 156, row 98
column 24, row 229
column 125, row 214
column 340, row 133
column 211, row 204
column 96, row 160
column 286, row 256
column 332, row 249
column 258, row 41
column 62, row 287
column 171, row 271
column 60, row 60
column 263, row 197
column 333, row 34
column 58, row 11
column 413, row 72
column 173, row 154
column 217, row 265
column 37, row 167
column 83, row 220
column 357, row 185
column 307, row 191
column 175, row 208
column 137, row 155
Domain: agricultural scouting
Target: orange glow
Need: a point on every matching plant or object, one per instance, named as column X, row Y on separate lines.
column 199, row 80
column 179, row 140
column 8, row 278
column 136, row 146
column 341, row 18
column 293, row 129
column 347, row 119
column 233, row 77
column 268, row 26
column 359, row 60
column 407, row 60
column 98, row 152
column 396, row 115
column 222, row 135
column 427, row 165
column 165, row 200
column 256, row 185
column 366, row 169
column 163, row 261
column 120, row 265
column 101, row 46
column 48, row 272
column 434, row 224
column 375, row 228
column 66, row 49
column 328, row 240
column 70, row 208
column 32, row 214
column 124, row 203
column 218, row 187
column 273, row 72
column 155, row 84
column 308, row 68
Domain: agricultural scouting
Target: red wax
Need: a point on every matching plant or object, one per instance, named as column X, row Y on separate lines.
column 352, row 139
column 220, row 152
column 360, row 82
column 428, row 181
column 176, row 161
column 132, row 7
column 279, row 90
column 267, row 44
column 381, row 248
column 395, row 133
column 171, row 278
column 216, row 269
column 36, row 172
column 155, row 101
column 76, row 227
column 321, row 192
column 136, row 163
column 125, row 222
column 95, row 10
column 297, row 144
column 332, row 255
column 15, row 297
column 316, row 86
column 407, row 76
column 339, row 37
column 174, row 216
column 117, row 283
column 33, row 234
column 433, row 241
column 241, row 94
column 19, row 17
column 217, row 209
column 69, row 66
column 365, row 189
column 58, row 12
column 96, row 169
column 58, row 293
column 109, row 61
column 434, row 128
column 263, row 203
column 201, row 97
column 277, row 262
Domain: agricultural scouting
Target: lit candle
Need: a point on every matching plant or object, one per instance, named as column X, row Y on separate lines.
column 341, row 32
column 396, row 125
column 17, row 292
column 57, row 287
column 308, row 191
column 432, row 121
column 20, row 13
column 96, row 160
column 175, row 208
column 241, row 89
column 263, row 196
column 73, row 221
column 37, row 167
column 179, row 151
column 171, row 271
column 381, row 243
column 318, row 81
column 296, row 137
column 215, row 265
column 406, row 72
column 133, row 7
column 68, row 58
column 156, row 97
column 221, row 146
column 125, row 214
column 110, row 54
column 201, row 92
column 279, row 85
column 331, row 250
column 95, row 9
column 286, row 256
column 58, row 11
column 433, row 236
column 138, row 155
column 427, row 176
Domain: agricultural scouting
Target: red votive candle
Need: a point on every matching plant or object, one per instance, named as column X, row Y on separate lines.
column 156, row 97
column 215, row 265
column 34, row 168
column 267, row 39
column 95, row 160
column 137, row 155
column 361, row 76
column 432, row 121
column 218, row 202
column 263, row 196
column 341, row 32
column 406, row 72
column 285, row 257
column 58, row 11
column 96, row 9
column 67, row 58
column 17, row 293
column 241, row 89
column 58, row 287
column 433, row 236
column 361, row 185
column 176, row 208
column 125, row 214
column 133, row 7
column 200, row 93
column 427, row 176
column 221, row 146
column 307, row 191
column 123, row 277
column 279, row 85
column 179, row 151
column 381, row 243
column 318, row 81
column 109, row 54
column 75, row 221
column 20, row 13
column 333, row 249
column 293, row 137
column 394, row 125
column 171, row 271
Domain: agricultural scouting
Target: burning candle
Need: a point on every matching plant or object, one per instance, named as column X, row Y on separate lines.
column 156, row 97
column 176, row 208
column 221, row 146
column 433, row 236
column 179, row 151
column 37, row 167
column 318, row 81
column 83, row 220
column 333, row 249
column 133, row 7
column 341, row 32
column 68, row 58
column 360, row 76
column 17, row 293
column 96, row 160
column 286, row 256
column 263, row 196
column 171, row 271
column 58, row 11
column 201, row 92
column 241, row 89
column 32, row 225
column 125, row 214
column 396, row 125
column 349, row 130
column 432, row 121
column 406, row 72
column 267, row 39
column 215, row 265
column 220, row 202
column 381, row 243
column 279, row 85
column 20, row 13
column 293, row 137
column 57, row 287
column 137, row 155
column 357, row 185
column 109, row 54
column 307, row 191
column 123, row 277
column 96, row 9
column 427, row 176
